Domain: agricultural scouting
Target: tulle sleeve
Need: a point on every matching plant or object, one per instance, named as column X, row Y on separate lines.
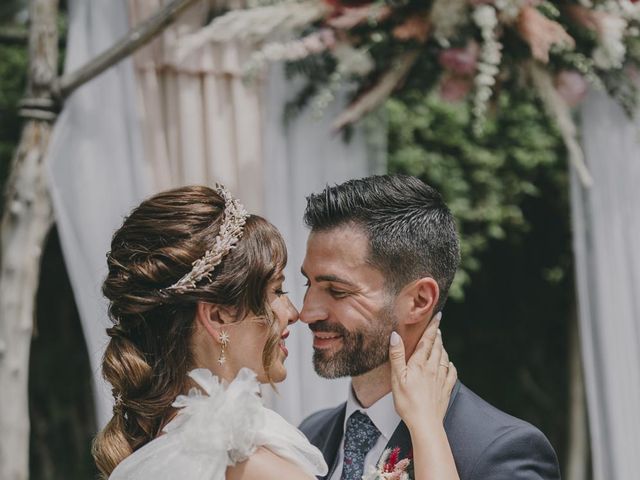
column 225, row 419
column 211, row 431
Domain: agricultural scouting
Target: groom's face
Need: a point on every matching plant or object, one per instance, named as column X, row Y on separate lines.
column 346, row 305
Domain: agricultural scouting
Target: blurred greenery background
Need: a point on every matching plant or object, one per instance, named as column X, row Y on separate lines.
column 506, row 326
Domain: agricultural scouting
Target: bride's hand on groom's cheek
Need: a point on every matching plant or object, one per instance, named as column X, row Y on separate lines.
column 422, row 386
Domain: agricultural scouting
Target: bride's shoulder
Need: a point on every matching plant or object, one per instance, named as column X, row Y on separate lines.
column 265, row 465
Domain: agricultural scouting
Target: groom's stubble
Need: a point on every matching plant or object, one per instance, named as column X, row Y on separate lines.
column 362, row 350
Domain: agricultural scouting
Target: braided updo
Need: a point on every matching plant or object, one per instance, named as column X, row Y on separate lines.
column 149, row 352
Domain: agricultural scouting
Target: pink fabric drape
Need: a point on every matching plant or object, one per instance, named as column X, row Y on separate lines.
column 201, row 122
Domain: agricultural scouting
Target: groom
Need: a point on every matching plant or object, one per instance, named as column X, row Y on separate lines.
column 381, row 256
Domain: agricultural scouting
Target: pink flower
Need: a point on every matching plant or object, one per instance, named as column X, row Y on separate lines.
column 454, row 88
column 571, row 86
column 587, row 18
column 461, row 61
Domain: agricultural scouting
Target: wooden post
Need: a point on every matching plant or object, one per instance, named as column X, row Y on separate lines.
column 26, row 220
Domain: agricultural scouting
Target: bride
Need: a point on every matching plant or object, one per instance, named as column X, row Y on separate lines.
column 195, row 289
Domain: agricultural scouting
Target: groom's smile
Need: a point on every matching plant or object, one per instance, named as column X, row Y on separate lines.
column 324, row 341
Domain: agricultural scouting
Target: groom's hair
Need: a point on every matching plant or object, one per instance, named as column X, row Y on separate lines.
column 412, row 233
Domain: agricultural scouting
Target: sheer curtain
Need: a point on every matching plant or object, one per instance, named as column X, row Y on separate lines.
column 155, row 122
column 96, row 169
column 606, row 227
column 201, row 122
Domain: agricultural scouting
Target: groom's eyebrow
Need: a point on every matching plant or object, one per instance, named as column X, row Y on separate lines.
column 329, row 278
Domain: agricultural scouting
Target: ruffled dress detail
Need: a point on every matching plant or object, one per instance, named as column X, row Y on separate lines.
column 217, row 429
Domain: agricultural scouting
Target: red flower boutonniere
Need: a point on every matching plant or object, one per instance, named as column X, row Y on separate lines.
column 390, row 467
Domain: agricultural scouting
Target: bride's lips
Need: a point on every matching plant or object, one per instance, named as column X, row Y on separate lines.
column 282, row 345
column 324, row 340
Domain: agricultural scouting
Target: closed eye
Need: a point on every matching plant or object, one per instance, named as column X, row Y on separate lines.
column 337, row 293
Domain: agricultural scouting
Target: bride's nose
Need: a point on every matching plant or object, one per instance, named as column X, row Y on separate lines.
column 292, row 313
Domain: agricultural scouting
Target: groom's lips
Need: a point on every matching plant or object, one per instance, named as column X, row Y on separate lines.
column 324, row 340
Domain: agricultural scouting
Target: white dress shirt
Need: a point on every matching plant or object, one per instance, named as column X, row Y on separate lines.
column 384, row 417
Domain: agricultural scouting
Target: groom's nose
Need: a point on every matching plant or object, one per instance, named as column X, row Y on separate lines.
column 313, row 309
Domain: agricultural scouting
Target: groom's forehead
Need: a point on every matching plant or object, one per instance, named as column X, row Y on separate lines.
column 344, row 245
column 340, row 257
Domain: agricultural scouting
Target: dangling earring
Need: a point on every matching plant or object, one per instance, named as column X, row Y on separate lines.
column 224, row 340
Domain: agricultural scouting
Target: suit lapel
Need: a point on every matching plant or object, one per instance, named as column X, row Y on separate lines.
column 331, row 441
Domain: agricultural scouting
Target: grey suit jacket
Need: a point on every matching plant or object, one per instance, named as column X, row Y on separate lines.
column 487, row 444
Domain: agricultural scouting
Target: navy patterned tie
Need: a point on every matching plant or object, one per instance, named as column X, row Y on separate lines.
column 360, row 437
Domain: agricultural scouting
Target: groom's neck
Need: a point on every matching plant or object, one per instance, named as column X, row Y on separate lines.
column 373, row 385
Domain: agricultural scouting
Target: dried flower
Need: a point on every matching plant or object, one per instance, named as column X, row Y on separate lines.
column 230, row 233
column 541, row 33
column 460, row 61
column 415, row 27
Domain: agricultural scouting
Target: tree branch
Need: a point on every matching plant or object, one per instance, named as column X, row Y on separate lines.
column 135, row 39
column 14, row 36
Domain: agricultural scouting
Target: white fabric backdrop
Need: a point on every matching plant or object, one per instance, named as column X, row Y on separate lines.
column 606, row 227
column 98, row 171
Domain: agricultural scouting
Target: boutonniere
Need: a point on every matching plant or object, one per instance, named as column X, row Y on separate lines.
column 390, row 467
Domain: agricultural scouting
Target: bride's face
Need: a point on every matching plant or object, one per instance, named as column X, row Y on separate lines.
column 251, row 335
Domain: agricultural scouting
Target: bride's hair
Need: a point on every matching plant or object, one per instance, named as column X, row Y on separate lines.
column 149, row 352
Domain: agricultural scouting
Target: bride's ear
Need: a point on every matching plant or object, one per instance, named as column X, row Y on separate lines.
column 417, row 300
column 212, row 318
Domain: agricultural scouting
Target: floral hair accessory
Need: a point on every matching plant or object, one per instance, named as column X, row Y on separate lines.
column 235, row 216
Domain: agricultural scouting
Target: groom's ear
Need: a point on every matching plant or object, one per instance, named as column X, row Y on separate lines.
column 417, row 300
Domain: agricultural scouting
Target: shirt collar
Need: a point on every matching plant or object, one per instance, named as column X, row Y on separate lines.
column 382, row 413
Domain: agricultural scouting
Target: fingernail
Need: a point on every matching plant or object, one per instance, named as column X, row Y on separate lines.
column 395, row 339
column 439, row 332
column 438, row 317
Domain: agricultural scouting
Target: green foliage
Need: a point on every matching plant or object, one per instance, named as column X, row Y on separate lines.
column 509, row 192
column 484, row 180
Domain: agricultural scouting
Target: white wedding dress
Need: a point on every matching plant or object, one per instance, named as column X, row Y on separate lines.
column 216, row 430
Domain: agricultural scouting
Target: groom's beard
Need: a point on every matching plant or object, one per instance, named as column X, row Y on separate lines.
column 361, row 351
